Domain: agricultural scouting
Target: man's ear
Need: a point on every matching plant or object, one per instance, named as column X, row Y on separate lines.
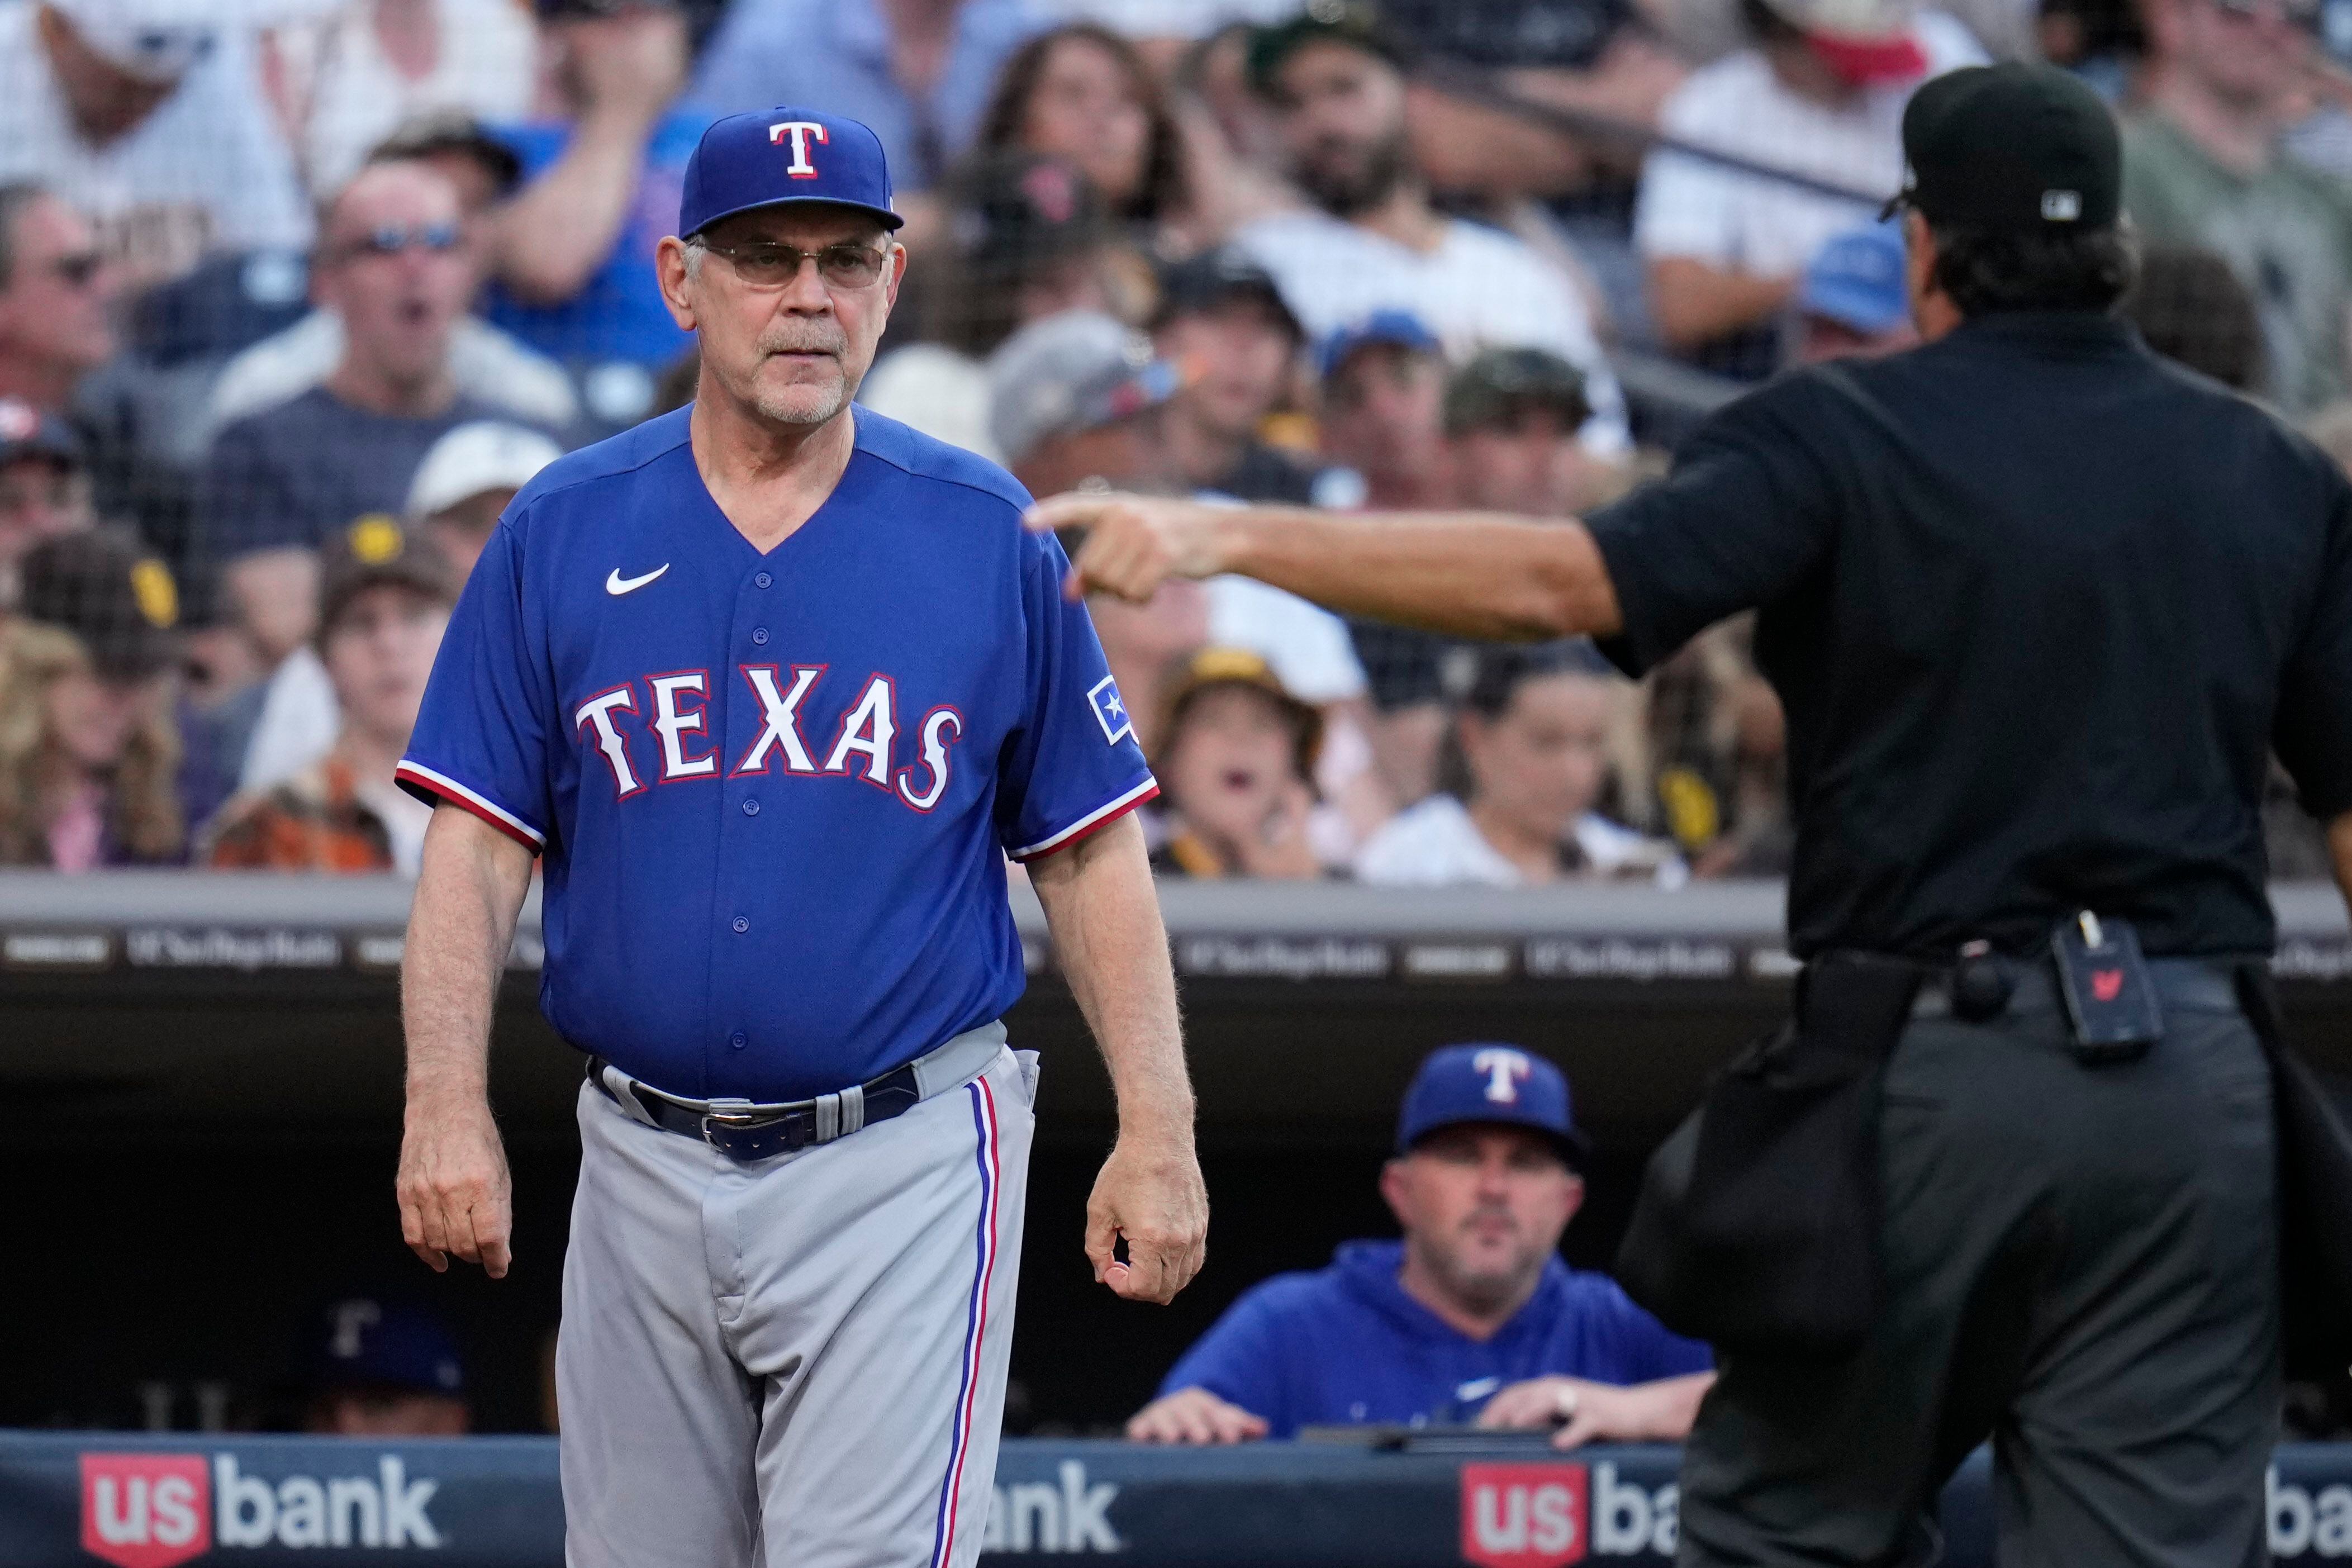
column 669, row 271
column 1396, row 1190
column 1575, row 1194
column 898, row 265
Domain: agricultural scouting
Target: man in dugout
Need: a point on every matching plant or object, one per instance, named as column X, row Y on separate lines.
column 2031, row 1162
column 1472, row 1319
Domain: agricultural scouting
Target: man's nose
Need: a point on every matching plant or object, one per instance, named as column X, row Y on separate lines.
column 805, row 294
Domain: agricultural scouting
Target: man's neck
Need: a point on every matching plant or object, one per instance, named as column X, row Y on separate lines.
column 370, row 756
column 768, row 478
column 45, row 386
column 1382, row 493
column 1536, row 858
column 1405, row 216
column 1201, row 456
column 1474, row 1320
column 2239, row 138
column 395, row 397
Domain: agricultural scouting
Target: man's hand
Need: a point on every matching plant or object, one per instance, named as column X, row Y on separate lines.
column 1194, row 1415
column 1150, row 1192
column 1587, row 1412
column 454, row 1195
column 1133, row 543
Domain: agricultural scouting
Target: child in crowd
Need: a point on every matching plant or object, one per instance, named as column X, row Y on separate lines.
column 1235, row 759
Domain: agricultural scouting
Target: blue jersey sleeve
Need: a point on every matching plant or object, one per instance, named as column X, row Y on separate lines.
column 485, row 733
column 1074, row 764
column 1241, row 1360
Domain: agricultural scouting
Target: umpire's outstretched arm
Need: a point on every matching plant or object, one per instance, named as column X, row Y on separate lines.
column 1476, row 574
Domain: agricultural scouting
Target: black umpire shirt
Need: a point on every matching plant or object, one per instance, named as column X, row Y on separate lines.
column 2039, row 604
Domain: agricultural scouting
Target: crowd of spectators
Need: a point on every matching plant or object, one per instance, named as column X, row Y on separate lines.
column 296, row 294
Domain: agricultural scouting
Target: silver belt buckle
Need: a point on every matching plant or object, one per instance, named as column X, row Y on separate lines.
column 731, row 1113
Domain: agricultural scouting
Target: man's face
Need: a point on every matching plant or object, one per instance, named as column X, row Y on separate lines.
column 795, row 351
column 1242, row 348
column 1342, row 116
column 1229, row 762
column 1528, row 463
column 1120, row 454
column 397, row 268
column 39, row 499
column 1482, row 1206
column 2252, row 54
column 389, row 1413
column 53, row 307
column 463, row 530
column 1383, row 415
column 379, row 654
column 1540, row 763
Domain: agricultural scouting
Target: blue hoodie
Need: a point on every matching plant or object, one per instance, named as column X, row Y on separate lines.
column 1347, row 1346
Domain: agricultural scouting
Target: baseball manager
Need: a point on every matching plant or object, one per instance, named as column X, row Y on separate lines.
column 771, row 689
column 2040, row 607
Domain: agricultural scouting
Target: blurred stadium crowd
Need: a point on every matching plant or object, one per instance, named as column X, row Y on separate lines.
column 295, row 294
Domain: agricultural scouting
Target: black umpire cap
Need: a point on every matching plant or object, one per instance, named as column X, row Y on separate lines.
column 2016, row 149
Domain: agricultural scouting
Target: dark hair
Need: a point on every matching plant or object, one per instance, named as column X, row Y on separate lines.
column 1501, row 671
column 2192, row 309
column 1985, row 272
column 14, row 197
column 1766, row 25
column 1162, row 192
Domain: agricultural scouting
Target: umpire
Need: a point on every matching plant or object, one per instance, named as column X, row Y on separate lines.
column 2039, row 607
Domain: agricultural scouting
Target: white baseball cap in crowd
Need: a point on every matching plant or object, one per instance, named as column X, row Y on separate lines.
column 1863, row 41
column 155, row 40
column 485, row 454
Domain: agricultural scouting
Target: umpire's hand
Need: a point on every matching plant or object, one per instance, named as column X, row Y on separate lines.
column 1133, row 543
column 455, row 1193
column 1150, row 1192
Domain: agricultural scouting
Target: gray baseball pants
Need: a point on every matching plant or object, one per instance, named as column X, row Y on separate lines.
column 798, row 1360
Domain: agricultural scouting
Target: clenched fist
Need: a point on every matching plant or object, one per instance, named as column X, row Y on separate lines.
column 454, row 1191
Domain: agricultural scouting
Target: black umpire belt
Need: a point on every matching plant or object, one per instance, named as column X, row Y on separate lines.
column 2026, row 986
column 748, row 1130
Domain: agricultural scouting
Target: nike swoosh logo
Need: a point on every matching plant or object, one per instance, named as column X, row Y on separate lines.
column 617, row 584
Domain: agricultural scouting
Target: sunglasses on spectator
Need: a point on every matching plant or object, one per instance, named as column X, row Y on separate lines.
column 2302, row 13
column 390, row 239
column 764, row 266
column 75, row 272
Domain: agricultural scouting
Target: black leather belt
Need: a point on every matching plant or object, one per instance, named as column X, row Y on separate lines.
column 744, row 1130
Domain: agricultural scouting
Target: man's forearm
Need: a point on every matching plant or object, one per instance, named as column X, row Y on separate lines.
column 1474, row 575
column 1112, row 948
column 460, row 929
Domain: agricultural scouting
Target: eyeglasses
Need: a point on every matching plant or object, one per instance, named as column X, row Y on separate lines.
column 391, row 238
column 75, row 272
column 766, row 266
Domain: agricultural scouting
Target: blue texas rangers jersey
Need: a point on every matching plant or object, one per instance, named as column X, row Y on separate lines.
column 774, row 791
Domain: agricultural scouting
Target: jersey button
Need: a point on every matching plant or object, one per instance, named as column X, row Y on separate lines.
column 762, row 581
column 760, row 636
column 739, row 1039
column 740, row 925
column 750, row 808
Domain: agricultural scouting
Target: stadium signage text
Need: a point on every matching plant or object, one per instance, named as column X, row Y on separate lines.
column 153, row 1510
column 1550, row 1515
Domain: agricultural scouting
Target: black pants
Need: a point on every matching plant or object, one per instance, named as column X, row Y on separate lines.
column 2081, row 1264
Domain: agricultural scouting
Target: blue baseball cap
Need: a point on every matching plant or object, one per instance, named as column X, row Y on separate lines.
column 366, row 1342
column 1856, row 280
column 746, row 161
column 1401, row 328
column 1489, row 1082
